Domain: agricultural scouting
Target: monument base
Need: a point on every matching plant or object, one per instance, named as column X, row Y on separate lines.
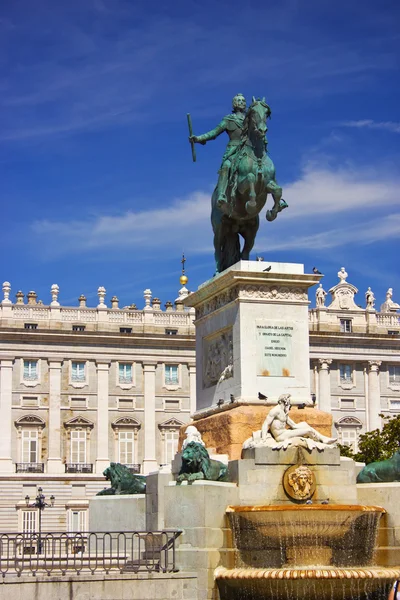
column 117, row 513
column 225, row 431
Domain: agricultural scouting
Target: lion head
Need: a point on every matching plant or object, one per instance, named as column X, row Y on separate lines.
column 301, row 481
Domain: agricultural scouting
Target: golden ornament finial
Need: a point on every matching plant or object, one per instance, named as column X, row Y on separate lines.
column 183, row 279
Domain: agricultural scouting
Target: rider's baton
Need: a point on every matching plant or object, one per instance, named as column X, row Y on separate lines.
column 189, row 118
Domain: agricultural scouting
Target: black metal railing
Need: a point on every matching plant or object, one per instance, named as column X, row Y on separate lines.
column 66, row 553
column 78, row 468
column 133, row 468
column 29, row 467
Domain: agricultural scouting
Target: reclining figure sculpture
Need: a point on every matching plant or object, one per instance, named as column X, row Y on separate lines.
column 274, row 432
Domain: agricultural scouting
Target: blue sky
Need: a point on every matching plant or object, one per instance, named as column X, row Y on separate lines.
column 97, row 183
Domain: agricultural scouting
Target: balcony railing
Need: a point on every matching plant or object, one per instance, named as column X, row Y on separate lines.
column 29, row 467
column 67, row 553
column 78, row 468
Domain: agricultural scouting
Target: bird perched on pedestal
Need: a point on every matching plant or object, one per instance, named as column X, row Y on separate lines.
column 315, row 270
column 262, row 397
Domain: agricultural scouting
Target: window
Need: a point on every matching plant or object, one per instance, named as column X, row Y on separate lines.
column 125, row 404
column 80, row 403
column 345, row 325
column 78, row 446
column 171, row 332
column 77, row 520
column 30, row 325
column 125, row 373
column 395, row 405
column 392, row 332
column 78, row 327
column 31, row 372
column 29, row 401
column 29, row 521
column 30, row 445
column 172, row 404
column 345, row 373
column 169, row 435
column 394, row 374
column 78, row 371
column 126, row 447
column 347, row 403
column 349, row 437
column 171, row 375
column 125, row 329
column 171, row 438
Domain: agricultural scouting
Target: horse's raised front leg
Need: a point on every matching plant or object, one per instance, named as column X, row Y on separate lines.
column 279, row 204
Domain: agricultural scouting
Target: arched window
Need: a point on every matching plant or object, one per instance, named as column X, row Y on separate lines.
column 126, row 430
column 170, row 436
column 349, row 431
column 29, row 450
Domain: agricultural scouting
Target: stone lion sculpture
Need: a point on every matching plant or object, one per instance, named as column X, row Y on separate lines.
column 197, row 464
column 122, row 481
column 383, row 471
column 301, row 481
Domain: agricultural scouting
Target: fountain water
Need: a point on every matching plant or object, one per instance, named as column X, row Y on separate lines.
column 315, row 552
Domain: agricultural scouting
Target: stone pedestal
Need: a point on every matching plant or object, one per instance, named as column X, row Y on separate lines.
column 206, row 542
column 155, row 502
column 259, row 475
column 226, row 430
column 252, row 334
column 118, row 513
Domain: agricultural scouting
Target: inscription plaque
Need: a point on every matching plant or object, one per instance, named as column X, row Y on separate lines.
column 274, row 348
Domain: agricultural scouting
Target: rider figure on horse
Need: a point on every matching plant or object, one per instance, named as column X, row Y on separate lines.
column 233, row 125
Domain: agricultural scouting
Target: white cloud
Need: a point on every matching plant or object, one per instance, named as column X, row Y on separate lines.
column 363, row 233
column 392, row 126
column 361, row 206
column 326, row 191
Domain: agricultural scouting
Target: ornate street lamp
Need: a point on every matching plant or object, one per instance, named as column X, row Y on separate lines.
column 41, row 504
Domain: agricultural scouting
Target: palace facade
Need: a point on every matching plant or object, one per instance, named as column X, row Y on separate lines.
column 82, row 386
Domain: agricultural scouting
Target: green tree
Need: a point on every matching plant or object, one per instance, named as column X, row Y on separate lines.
column 378, row 444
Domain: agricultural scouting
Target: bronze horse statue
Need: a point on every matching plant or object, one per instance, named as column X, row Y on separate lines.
column 252, row 177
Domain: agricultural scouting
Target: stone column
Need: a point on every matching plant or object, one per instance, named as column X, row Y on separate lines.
column 6, row 371
column 102, row 453
column 149, row 379
column 324, row 392
column 54, row 461
column 374, row 395
column 192, row 388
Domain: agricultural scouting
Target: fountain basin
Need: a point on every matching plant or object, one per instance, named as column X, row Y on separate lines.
column 330, row 535
column 301, row 582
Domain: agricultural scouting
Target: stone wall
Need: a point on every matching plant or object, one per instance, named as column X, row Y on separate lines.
column 143, row 586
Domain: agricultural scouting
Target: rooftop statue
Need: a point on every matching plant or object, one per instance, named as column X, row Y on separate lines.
column 246, row 176
column 276, row 435
column 122, row 481
column 389, row 305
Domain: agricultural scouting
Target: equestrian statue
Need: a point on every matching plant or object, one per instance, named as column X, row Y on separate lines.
column 246, row 176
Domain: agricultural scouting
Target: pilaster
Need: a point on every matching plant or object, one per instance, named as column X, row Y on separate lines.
column 102, row 454
column 149, row 376
column 192, row 388
column 374, row 395
column 54, row 461
column 324, row 392
column 6, row 371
